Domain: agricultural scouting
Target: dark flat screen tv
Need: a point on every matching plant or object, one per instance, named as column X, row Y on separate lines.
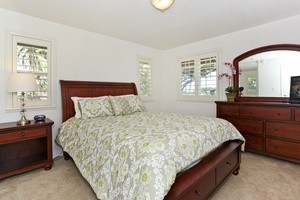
column 295, row 89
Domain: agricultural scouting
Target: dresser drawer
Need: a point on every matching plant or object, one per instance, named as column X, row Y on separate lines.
column 283, row 130
column 229, row 110
column 297, row 114
column 276, row 113
column 229, row 164
column 247, row 125
column 201, row 189
column 253, row 142
column 22, row 135
column 283, row 148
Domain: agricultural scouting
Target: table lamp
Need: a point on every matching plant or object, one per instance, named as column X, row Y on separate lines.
column 22, row 82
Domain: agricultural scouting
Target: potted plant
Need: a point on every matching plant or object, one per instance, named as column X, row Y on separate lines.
column 231, row 90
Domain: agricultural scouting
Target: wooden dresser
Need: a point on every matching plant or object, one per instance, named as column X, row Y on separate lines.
column 271, row 129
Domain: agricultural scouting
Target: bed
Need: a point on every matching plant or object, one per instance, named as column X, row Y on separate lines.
column 196, row 179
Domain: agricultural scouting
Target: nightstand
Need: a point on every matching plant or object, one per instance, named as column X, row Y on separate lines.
column 24, row 148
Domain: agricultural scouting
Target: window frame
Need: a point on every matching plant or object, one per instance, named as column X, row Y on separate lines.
column 147, row 60
column 11, row 62
column 196, row 58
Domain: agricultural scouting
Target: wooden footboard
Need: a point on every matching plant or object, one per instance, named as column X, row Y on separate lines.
column 203, row 179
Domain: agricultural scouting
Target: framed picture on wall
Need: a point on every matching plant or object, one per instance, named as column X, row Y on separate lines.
column 295, row 89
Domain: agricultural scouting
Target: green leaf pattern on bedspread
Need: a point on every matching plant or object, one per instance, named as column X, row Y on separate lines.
column 137, row 156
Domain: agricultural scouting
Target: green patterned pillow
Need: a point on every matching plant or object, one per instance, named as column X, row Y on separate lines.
column 95, row 107
column 126, row 104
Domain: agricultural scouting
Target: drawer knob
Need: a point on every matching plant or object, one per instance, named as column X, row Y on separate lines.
column 23, row 134
column 278, row 114
column 253, row 126
column 228, row 163
column 198, row 193
column 252, row 142
column 275, row 146
column 276, row 129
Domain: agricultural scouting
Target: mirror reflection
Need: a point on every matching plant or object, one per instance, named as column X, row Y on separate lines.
column 268, row 74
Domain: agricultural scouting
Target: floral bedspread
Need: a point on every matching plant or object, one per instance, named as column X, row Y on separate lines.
column 137, row 156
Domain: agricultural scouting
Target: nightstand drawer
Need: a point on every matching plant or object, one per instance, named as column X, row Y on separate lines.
column 22, row 135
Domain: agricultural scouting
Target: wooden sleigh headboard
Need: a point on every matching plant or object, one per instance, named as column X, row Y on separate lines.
column 90, row 89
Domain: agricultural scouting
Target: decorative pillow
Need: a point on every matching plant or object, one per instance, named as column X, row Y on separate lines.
column 126, row 104
column 76, row 105
column 95, row 107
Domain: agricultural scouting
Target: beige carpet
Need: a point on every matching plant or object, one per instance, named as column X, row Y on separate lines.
column 260, row 178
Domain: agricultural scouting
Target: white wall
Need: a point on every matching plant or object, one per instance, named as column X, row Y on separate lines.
column 79, row 55
column 230, row 46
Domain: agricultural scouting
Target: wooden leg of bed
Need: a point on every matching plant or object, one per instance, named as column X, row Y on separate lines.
column 66, row 156
column 48, row 167
column 236, row 171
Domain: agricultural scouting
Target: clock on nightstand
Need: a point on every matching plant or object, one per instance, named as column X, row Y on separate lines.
column 24, row 148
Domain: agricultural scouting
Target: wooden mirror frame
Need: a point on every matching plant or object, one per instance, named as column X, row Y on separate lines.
column 292, row 47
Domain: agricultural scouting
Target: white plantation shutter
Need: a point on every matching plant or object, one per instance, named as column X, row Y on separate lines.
column 145, row 78
column 188, row 76
column 207, row 83
column 198, row 77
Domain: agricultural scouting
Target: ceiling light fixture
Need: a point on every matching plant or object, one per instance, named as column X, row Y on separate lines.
column 162, row 4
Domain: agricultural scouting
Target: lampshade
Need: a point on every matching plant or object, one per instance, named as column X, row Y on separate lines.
column 162, row 4
column 21, row 82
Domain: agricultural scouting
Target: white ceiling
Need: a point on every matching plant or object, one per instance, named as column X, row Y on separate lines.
column 137, row 21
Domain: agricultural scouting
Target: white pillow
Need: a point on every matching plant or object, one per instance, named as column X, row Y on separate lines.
column 76, row 106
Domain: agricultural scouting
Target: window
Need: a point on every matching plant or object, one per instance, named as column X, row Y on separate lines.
column 198, row 77
column 252, row 84
column 31, row 55
column 145, row 78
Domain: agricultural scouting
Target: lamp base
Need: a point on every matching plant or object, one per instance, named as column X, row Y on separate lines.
column 23, row 121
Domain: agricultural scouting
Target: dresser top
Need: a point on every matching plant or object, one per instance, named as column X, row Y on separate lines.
column 249, row 103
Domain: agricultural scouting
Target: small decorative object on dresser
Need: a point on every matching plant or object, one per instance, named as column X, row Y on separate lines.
column 231, row 90
column 39, row 117
column 230, row 96
column 25, row 147
column 270, row 128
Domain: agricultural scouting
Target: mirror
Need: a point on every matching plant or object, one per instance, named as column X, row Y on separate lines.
column 266, row 72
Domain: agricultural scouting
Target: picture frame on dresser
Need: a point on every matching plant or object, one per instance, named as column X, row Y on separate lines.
column 295, row 89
